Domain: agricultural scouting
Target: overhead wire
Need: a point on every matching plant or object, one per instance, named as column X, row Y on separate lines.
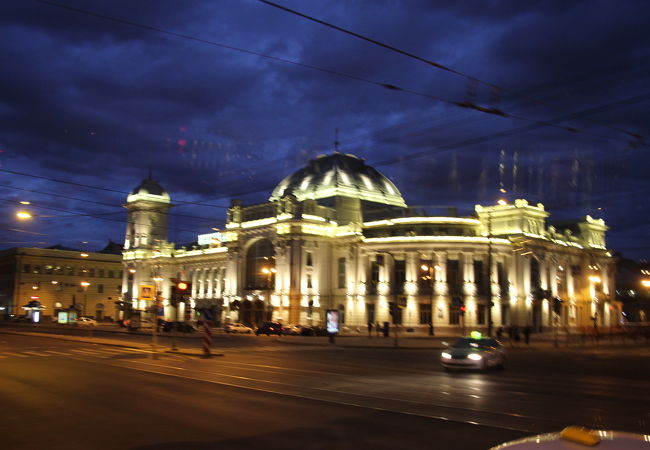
column 390, row 86
column 470, row 78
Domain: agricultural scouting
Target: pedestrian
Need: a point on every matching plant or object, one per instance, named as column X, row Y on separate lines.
column 499, row 333
column 369, row 330
column 527, row 331
column 378, row 328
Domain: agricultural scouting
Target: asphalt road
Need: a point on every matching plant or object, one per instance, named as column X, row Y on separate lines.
column 261, row 393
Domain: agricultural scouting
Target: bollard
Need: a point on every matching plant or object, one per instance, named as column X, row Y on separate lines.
column 207, row 338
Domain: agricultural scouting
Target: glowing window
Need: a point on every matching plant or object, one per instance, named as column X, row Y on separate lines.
column 328, row 177
column 345, row 178
column 389, row 187
column 367, row 181
column 305, row 183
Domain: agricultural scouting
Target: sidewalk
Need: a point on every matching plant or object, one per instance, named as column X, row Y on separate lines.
column 541, row 342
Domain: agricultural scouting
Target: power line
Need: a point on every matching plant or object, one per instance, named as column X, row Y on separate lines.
column 96, row 202
column 393, row 87
column 470, row 104
column 381, row 44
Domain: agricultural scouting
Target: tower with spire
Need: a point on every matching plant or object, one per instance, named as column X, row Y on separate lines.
column 147, row 206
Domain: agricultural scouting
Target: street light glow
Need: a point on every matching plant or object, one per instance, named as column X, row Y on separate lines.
column 23, row 215
column 594, row 279
column 645, row 283
column 25, row 203
column 84, row 255
column 85, row 283
column 502, row 202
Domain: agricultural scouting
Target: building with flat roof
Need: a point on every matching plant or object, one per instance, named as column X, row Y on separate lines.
column 50, row 280
column 338, row 235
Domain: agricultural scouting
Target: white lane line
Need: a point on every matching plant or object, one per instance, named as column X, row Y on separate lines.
column 36, row 353
column 18, row 355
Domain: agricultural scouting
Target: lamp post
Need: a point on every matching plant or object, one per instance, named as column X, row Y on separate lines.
column 430, row 270
column 84, row 285
column 269, row 272
column 154, row 307
column 489, row 275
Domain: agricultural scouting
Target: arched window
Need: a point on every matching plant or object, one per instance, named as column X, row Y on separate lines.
column 260, row 266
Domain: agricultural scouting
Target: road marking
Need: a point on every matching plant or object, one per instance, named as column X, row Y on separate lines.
column 36, row 353
column 19, row 355
column 316, row 398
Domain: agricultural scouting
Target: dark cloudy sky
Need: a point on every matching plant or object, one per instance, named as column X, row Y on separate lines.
column 94, row 97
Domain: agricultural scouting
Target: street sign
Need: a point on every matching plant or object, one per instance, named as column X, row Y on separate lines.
column 401, row 301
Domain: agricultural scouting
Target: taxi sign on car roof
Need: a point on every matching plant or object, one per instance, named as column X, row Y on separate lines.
column 476, row 335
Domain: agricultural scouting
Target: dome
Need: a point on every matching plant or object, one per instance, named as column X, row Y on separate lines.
column 150, row 190
column 339, row 174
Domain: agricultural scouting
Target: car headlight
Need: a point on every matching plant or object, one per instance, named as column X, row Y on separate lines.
column 474, row 356
column 446, row 355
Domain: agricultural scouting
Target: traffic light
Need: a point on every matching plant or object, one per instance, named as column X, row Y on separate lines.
column 395, row 312
column 180, row 292
column 462, row 310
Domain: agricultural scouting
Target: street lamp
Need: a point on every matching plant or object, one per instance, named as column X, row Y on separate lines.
column 154, row 324
column 269, row 272
column 24, row 215
column 84, row 285
column 430, row 270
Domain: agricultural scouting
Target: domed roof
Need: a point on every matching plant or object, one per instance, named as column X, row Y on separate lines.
column 339, row 174
column 150, row 190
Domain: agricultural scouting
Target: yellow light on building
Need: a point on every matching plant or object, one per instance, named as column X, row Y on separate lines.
column 645, row 283
column 595, row 279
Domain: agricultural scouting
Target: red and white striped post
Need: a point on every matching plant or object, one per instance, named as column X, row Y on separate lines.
column 207, row 338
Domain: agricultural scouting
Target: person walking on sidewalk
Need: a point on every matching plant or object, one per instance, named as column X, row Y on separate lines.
column 369, row 330
column 527, row 331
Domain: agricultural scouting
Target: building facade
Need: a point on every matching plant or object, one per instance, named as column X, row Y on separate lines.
column 338, row 235
column 50, row 280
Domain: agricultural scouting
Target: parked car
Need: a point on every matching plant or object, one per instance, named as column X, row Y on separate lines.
column 298, row 330
column 237, row 328
column 269, row 328
column 20, row 319
column 86, row 322
column 474, row 352
column 184, row 327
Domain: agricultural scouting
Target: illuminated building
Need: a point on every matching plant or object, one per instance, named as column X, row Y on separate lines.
column 337, row 234
column 53, row 278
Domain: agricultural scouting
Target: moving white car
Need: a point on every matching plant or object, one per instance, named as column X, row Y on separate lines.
column 237, row 328
column 86, row 322
column 474, row 352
